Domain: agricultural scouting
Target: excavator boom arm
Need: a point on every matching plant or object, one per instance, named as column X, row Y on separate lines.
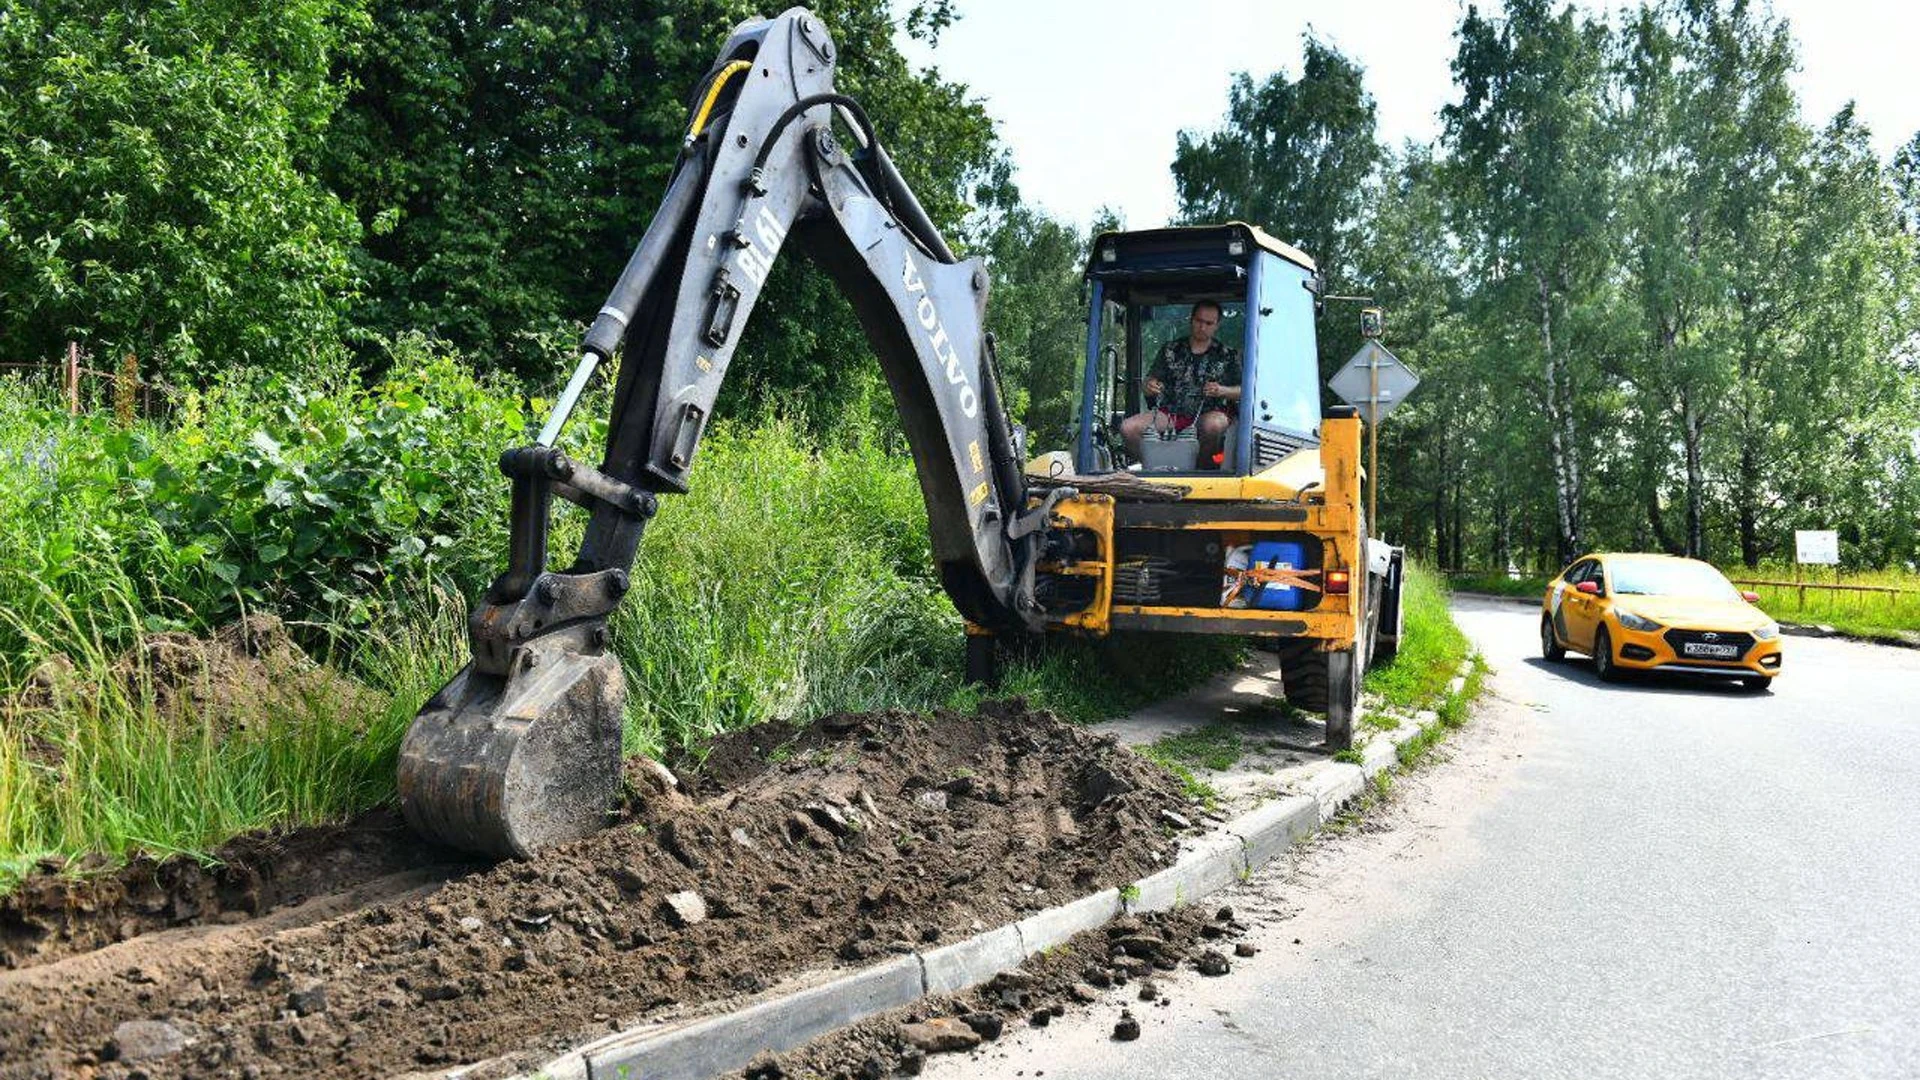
column 521, row 750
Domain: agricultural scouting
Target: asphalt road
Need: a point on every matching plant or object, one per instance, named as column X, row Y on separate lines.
column 1655, row 879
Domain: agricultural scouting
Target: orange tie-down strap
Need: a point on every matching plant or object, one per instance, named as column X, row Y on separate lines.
column 1265, row 575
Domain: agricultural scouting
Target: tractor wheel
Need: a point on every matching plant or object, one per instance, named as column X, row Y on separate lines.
column 983, row 661
column 1390, row 622
column 1322, row 682
column 1303, row 674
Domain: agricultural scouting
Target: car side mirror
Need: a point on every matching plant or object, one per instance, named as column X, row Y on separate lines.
column 1591, row 588
column 1750, row 597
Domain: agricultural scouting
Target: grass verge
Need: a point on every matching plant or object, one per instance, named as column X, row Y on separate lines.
column 1431, row 647
column 793, row 580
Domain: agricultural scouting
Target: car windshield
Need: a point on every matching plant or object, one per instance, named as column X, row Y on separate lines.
column 1669, row 578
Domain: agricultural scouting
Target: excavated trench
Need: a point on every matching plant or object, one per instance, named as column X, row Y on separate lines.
column 358, row 951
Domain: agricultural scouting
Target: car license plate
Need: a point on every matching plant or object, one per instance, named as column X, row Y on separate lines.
column 1718, row 652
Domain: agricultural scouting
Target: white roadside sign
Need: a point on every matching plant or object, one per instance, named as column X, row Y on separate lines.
column 1374, row 368
column 1816, row 547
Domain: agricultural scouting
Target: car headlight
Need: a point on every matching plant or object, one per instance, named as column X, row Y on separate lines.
column 1635, row 622
column 1767, row 632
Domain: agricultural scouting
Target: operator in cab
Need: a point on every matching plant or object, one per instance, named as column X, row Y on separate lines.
column 1195, row 379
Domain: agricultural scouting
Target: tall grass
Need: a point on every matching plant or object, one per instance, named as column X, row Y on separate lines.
column 1431, row 645
column 1854, row 612
column 103, row 767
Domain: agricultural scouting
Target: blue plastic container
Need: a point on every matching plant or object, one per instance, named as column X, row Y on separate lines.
column 1279, row 555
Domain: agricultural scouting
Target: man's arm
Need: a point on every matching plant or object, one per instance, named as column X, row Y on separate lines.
column 1161, row 373
column 1227, row 387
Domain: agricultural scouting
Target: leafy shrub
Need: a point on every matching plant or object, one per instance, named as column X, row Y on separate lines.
column 306, row 498
column 331, row 494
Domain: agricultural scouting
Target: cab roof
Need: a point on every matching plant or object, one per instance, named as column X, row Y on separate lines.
column 1147, row 243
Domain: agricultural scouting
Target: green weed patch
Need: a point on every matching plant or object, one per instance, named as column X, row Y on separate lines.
column 1431, row 646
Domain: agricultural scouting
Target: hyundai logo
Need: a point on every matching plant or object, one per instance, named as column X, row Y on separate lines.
column 1711, row 636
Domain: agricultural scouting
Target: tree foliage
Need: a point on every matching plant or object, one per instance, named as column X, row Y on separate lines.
column 1654, row 307
column 505, row 158
column 1295, row 157
column 156, row 197
column 1663, row 311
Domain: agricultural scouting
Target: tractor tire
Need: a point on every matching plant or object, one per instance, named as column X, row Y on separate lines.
column 1322, row 682
column 1390, row 622
column 1303, row 674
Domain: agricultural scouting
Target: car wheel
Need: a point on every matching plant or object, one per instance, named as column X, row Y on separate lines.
column 1603, row 664
column 1550, row 642
column 1758, row 684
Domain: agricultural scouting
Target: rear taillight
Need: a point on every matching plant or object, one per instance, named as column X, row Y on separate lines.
column 1337, row 582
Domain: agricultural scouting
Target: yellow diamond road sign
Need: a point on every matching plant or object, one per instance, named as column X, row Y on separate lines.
column 1357, row 386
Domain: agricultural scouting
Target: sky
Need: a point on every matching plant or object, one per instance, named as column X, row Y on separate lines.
column 1090, row 95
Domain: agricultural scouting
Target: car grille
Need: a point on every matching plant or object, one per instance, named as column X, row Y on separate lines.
column 1679, row 639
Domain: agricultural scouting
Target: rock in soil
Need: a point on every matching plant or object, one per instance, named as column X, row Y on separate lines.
column 583, row 931
column 941, row 1035
column 308, row 998
column 683, row 909
column 1244, row 949
column 1212, row 963
column 1126, row 1029
column 145, row 1040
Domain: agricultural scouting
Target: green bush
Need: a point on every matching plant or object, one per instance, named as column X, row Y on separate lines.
column 334, row 492
column 306, row 498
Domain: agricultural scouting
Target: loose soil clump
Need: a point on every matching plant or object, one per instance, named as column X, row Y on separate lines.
column 789, row 850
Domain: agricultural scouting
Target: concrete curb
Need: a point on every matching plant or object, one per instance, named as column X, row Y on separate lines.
column 697, row 1049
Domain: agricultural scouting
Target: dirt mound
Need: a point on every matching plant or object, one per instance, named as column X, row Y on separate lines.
column 246, row 673
column 787, row 850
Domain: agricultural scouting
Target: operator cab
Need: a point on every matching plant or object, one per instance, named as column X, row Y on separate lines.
column 1143, row 290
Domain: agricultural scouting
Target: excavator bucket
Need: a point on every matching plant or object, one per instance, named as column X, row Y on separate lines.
column 509, row 765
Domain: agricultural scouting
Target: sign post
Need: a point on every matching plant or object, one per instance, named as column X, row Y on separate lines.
column 1375, row 382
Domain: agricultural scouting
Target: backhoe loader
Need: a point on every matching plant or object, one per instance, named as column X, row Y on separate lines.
column 521, row 750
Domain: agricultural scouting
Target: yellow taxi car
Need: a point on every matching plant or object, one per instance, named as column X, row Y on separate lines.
column 1658, row 612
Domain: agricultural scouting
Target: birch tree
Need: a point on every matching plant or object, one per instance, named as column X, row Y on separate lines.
column 1529, row 148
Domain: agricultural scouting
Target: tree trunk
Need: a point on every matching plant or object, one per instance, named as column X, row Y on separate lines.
column 1692, row 431
column 1747, row 491
column 1749, row 505
column 1659, row 523
column 1459, row 546
column 1560, row 434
